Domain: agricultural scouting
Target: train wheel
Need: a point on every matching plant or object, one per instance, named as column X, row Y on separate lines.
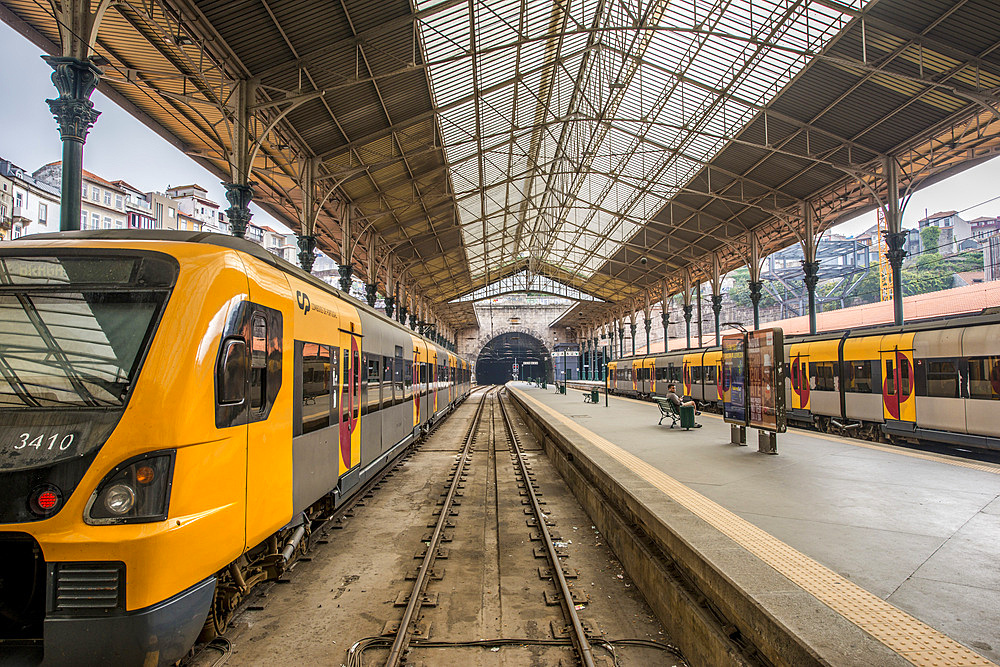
column 219, row 614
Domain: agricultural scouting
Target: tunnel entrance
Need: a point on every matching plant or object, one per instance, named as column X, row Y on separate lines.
column 496, row 363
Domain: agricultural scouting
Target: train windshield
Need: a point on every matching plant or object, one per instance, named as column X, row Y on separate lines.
column 74, row 328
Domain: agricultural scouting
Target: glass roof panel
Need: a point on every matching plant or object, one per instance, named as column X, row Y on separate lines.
column 568, row 124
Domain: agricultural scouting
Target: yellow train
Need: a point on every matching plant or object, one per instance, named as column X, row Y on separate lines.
column 933, row 382
column 176, row 409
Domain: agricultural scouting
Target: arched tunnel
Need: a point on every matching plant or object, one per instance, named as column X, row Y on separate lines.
column 496, row 363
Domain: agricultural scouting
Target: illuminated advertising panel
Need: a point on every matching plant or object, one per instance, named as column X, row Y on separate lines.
column 766, row 405
column 734, row 378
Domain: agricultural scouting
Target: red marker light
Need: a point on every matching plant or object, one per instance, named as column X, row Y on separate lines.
column 47, row 500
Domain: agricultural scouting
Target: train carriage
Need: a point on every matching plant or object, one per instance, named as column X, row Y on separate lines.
column 936, row 381
column 175, row 409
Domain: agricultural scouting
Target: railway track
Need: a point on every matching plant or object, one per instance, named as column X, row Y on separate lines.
column 456, row 559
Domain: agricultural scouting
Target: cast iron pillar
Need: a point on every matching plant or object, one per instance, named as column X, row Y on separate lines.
column 665, row 316
column 239, row 197
column 811, row 270
column 717, row 310
column 345, row 270
column 621, row 341
column 370, row 293
column 413, row 322
column 75, row 114
column 598, row 362
column 688, row 314
column 649, row 328
column 896, row 250
column 633, row 328
column 307, row 252
column 755, row 293
column 390, row 306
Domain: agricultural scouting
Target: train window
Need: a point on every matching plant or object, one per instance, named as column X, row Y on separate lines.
column 408, row 379
column 904, row 377
column 942, row 378
column 795, row 373
column 710, row 374
column 373, row 383
column 231, row 374
column 386, row 382
column 258, row 362
column 822, row 375
column 984, row 378
column 675, row 373
column 316, row 395
column 696, row 374
column 397, row 375
column 890, row 378
column 859, row 378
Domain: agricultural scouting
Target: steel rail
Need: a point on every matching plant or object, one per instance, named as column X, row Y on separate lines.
column 405, row 630
column 580, row 641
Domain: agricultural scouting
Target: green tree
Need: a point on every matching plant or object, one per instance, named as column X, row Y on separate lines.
column 930, row 236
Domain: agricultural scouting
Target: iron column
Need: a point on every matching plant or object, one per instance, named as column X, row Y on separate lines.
column 75, row 80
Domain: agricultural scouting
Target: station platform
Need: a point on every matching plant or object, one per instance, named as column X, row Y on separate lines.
column 900, row 544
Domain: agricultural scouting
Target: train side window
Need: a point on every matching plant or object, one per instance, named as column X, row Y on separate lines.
column 258, row 363
column 231, row 373
column 386, row 382
column 942, row 378
column 823, row 376
column 316, row 388
column 373, row 383
column 408, row 379
column 397, row 375
column 904, row 377
column 859, row 377
column 696, row 374
column 890, row 378
column 984, row 378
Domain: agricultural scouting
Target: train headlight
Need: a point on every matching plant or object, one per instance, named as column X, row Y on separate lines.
column 119, row 499
column 136, row 491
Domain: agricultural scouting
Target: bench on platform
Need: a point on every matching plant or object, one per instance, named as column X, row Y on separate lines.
column 667, row 409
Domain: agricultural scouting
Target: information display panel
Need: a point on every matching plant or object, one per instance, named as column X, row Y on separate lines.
column 765, row 371
column 734, row 378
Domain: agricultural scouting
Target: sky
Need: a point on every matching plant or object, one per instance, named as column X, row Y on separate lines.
column 118, row 147
column 121, row 147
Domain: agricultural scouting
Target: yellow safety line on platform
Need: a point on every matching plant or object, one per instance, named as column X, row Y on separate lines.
column 909, row 637
column 854, row 442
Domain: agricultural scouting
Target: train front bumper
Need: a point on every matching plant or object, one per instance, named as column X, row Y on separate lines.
column 159, row 634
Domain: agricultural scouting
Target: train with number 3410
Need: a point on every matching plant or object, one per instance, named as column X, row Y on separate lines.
column 176, row 409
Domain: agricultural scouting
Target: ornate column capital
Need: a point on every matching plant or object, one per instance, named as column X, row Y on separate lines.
column 811, row 271
column 895, row 251
column 755, row 290
column 345, row 270
column 370, row 293
column 688, row 311
column 239, row 196
column 717, row 303
column 307, row 248
column 390, row 305
column 74, row 112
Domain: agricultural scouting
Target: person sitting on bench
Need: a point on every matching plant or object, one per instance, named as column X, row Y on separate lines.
column 678, row 402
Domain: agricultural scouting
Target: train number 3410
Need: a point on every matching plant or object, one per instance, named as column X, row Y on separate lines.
column 47, row 442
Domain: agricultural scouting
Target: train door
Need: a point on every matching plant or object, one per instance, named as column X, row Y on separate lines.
column 268, row 471
column 798, row 372
column 349, row 405
column 896, row 356
column 416, row 386
column 434, row 381
column 613, row 376
column 649, row 375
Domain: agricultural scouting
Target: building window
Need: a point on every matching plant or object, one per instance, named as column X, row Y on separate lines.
column 118, row 201
column 170, row 212
column 95, row 221
column 84, row 191
column 43, row 213
column 107, row 222
column 95, row 195
column 19, row 200
column 107, row 198
column 83, row 220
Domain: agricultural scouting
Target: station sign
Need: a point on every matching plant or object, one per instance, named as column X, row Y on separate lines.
column 765, row 373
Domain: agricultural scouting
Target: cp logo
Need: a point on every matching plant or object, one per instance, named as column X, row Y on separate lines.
column 303, row 300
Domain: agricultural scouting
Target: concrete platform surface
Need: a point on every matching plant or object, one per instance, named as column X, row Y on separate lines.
column 919, row 531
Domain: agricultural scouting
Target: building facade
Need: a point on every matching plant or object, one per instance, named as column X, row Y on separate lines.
column 102, row 204
column 32, row 207
column 195, row 211
column 956, row 232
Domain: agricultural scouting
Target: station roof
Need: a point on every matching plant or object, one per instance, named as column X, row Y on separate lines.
column 603, row 145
